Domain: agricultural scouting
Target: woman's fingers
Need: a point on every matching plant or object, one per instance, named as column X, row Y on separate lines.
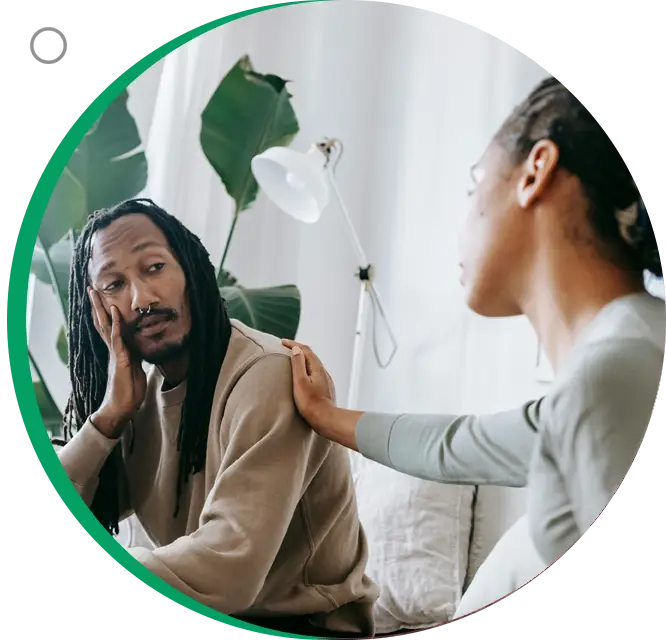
column 299, row 366
column 312, row 362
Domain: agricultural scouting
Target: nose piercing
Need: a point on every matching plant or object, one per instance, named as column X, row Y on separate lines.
column 143, row 312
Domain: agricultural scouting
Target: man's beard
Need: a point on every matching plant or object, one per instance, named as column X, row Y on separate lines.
column 166, row 353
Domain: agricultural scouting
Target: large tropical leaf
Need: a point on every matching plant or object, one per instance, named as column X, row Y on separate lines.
column 60, row 256
column 109, row 161
column 248, row 113
column 65, row 210
column 273, row 310
column 62, row 346
column 47, row 408
column 107, row 166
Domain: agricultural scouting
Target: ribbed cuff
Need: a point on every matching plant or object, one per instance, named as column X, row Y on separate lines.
column 85, row 454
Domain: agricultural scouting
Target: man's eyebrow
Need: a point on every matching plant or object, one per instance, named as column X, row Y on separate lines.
column 147, row 244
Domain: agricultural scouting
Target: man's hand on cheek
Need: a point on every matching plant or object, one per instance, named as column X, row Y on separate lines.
column 126, row 383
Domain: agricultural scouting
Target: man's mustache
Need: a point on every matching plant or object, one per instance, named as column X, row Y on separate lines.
column 135, row 325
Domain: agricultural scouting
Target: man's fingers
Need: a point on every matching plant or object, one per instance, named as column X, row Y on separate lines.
column 93, row 313
column 103, row 320
column 97, row 321
column 116, row 338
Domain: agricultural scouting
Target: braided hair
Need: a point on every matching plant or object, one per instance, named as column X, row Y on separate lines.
column 89, row 355
column 616, row 210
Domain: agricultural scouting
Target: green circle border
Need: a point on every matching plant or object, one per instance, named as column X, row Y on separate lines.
column 17, row 299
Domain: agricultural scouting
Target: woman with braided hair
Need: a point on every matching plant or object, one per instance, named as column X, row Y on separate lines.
column 557, row 231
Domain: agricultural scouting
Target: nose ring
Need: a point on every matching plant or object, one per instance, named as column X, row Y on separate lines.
column 143, row 312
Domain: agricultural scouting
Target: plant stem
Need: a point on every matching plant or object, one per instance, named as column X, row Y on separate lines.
column 54, row 280
column 49, row 397
column 231, row 233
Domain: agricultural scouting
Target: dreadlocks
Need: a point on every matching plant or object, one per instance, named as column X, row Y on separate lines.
column 89, row 356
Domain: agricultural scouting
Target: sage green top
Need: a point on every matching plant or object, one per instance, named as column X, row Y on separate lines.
column 572, row 448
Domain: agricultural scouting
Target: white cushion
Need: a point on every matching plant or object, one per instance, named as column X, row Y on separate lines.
column 496, row 509
column 418, row 535
column 512, row 563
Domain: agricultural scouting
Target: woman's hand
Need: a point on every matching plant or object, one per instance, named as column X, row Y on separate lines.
column 314, row 391
column 314, row 395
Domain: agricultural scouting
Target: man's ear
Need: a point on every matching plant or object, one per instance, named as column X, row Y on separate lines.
column 537, row 171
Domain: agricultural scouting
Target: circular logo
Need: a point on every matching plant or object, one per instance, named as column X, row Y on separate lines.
column 48, row 45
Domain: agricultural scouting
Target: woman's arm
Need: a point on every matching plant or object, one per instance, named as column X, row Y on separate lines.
column 493, row 449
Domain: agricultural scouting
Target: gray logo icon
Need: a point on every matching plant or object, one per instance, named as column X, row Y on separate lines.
column 47, row 43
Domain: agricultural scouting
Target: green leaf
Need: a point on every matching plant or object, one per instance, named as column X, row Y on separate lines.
column 248, row 113
column 66, row 209
column 109, row 161
column 273, row 310
column 62, row 347
column 50, row 414
column 61, row 259
column 107, row 167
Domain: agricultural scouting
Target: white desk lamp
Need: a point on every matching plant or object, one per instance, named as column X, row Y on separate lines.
column 299, row 184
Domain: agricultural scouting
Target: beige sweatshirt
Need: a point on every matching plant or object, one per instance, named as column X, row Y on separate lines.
column 270, row 526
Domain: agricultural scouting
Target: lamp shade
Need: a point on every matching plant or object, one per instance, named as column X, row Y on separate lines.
column 295, row 182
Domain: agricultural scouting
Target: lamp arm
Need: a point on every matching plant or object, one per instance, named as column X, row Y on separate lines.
column 353, row 236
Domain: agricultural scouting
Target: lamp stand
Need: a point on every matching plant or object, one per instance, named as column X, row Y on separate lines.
column 359, row 340
column 364, row 274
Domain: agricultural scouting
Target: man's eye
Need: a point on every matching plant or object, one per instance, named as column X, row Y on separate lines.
column 113, row 286
column 158, row 266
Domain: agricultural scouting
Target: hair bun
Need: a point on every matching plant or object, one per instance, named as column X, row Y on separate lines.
column 650, row 243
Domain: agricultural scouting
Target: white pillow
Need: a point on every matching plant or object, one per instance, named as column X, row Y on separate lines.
column 511, row 564
column 496, row 509
column 418, row 535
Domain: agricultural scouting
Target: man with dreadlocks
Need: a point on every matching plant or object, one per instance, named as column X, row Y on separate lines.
column 250, row 512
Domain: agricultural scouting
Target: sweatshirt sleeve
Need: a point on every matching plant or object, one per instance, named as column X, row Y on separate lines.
column 494, row 449
column 83, row 458
column 268, row 463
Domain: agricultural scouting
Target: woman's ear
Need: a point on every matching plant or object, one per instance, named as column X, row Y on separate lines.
column 537, row 171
